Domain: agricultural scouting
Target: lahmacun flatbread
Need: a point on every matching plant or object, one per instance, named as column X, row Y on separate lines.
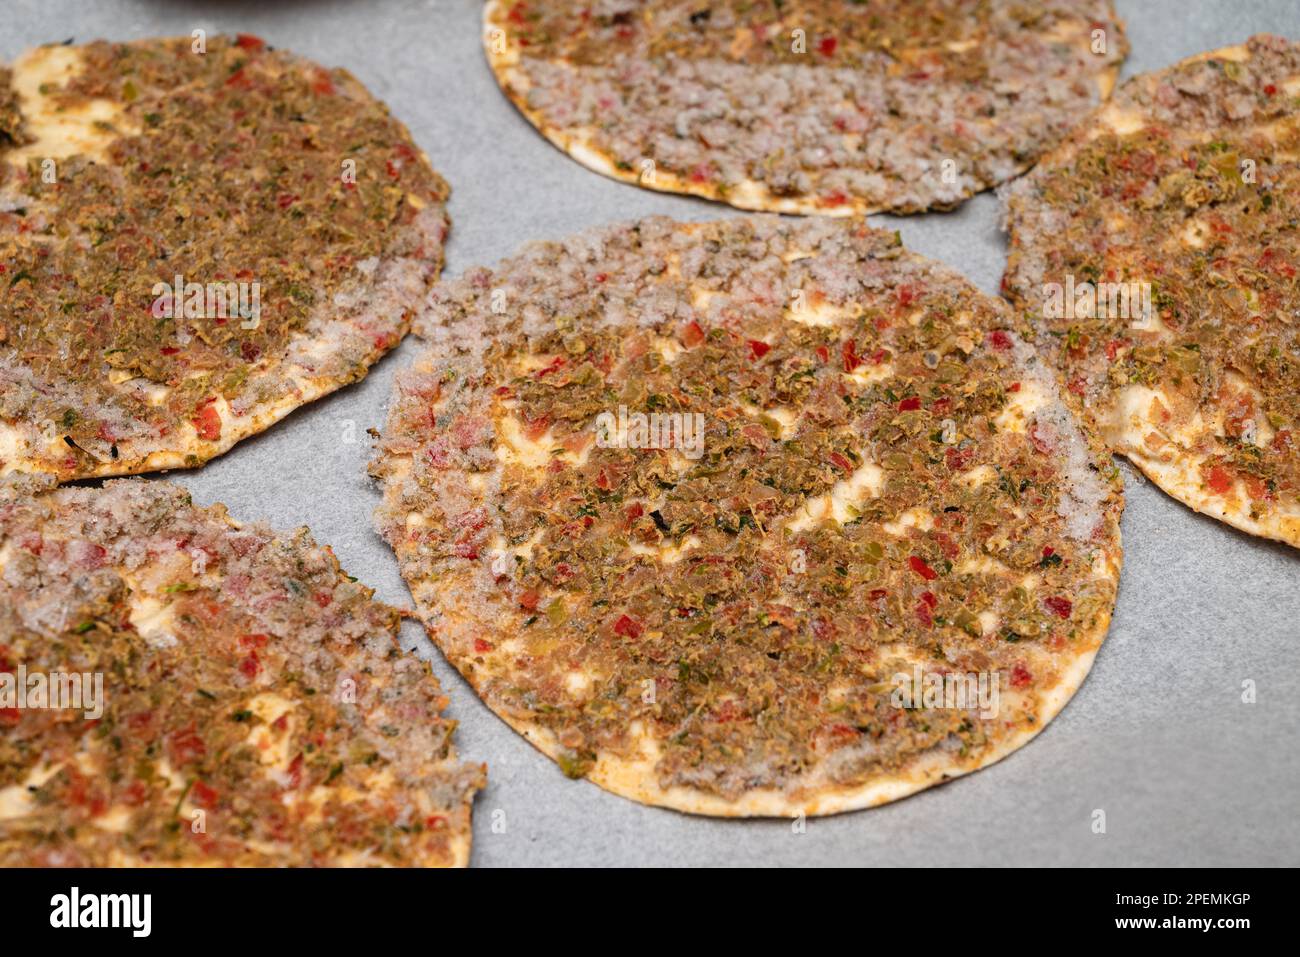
column 226, row 695
column 835, row 107
column 1157, row 251
column 197, row 236
column 723, row 517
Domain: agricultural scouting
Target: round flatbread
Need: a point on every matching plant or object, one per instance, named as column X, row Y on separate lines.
column 757, row 517
column 835, row 107
column 197, row 236
column 180, row 689
column 1157, row 252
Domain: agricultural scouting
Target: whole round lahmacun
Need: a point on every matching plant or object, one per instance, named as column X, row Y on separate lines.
column 179, row 689
column 197, row 236
column 1156, row 252
column 835, row 107
column 754, row 517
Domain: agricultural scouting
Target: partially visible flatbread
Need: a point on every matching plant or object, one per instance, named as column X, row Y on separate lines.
column 837, row 108
column 1157, row 252
column 885, row 480
column 260, row 179
column 253, row 707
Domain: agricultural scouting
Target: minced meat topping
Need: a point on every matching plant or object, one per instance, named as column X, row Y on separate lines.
column 867, row 495
column 890, row 104
column 1199, row 205
column 236, row 165
column 255, row 708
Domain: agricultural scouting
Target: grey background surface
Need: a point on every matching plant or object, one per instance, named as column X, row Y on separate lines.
column 1158, row 736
